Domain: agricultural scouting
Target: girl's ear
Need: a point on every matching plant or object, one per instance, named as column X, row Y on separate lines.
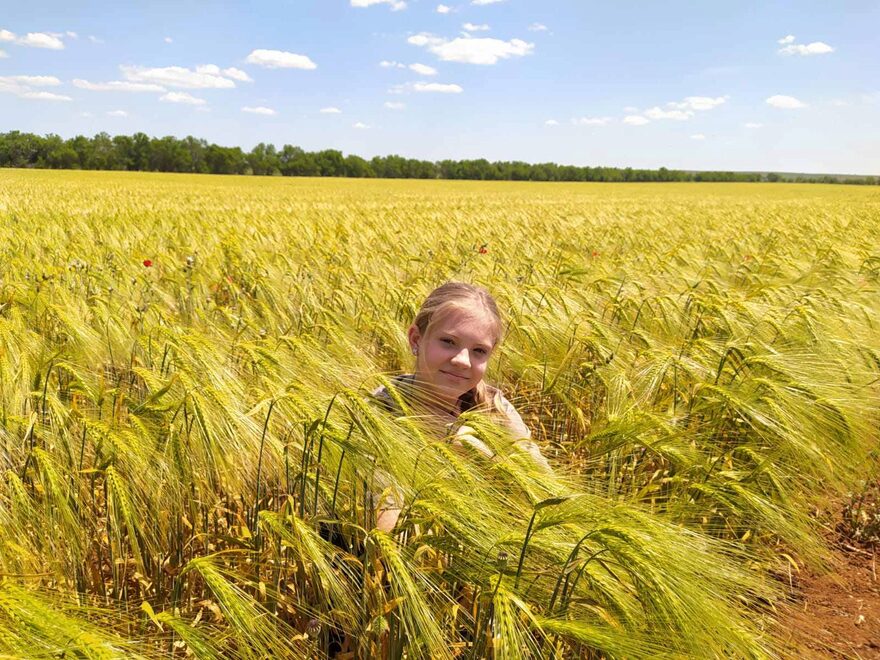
column 414, row 337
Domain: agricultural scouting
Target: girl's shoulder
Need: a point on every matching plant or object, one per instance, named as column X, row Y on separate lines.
column 513, row 419
column 521, row 434
column 496, row 399
column 517, row 426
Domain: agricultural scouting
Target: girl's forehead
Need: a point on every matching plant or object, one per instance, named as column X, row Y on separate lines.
column 476, row 323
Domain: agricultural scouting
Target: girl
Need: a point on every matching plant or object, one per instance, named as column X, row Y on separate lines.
column 452, row 338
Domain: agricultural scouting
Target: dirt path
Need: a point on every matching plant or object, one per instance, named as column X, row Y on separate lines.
column 835, row 615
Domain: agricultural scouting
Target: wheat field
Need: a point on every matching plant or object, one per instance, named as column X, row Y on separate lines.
column 189, row 451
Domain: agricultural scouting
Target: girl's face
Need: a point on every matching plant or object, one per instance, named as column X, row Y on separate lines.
column 453, row 355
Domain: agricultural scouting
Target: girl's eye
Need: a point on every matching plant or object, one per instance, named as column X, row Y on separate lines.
column 447, row 340
column 481, row 351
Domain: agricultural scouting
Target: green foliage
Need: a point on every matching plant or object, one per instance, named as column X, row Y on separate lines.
column 169, row 154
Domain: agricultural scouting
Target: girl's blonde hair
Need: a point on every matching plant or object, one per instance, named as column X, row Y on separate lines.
column 460, row 296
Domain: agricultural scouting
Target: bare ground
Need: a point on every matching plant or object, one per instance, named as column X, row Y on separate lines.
column 835, row 614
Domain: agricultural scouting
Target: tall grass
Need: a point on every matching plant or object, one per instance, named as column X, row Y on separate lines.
column 192, row 461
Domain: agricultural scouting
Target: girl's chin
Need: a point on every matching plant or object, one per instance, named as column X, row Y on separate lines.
column 449, row 389
column 447, row 386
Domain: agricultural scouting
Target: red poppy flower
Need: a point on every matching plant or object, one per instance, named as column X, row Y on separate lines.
column 483, row 249
column 147, row 263
column 595, row 253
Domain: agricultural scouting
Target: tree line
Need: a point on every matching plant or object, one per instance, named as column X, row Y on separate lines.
column 140, row 152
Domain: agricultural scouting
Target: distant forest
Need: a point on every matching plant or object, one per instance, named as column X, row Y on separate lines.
column 140, row 152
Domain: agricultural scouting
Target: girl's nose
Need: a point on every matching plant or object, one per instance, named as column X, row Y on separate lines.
column 462, row 358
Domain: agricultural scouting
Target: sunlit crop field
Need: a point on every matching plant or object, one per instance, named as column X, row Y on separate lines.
column 189, row 450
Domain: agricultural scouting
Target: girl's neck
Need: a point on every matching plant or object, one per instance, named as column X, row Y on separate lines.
column 443, row 407
column 434, row 402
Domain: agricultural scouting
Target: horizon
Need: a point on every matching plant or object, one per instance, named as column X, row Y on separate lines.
column 529, row 163
column 780, row 88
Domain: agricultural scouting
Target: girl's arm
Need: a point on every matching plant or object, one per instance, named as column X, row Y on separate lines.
column 386, row 519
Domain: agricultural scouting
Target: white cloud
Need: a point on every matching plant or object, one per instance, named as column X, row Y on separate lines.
column 551, row 122
column 699, row 102
column 9, row 86
column 753, row 124
column 176, row 76
column 117, row 113
column 95, row 39
column 423, row 69
column 814, row 48
column 590, row 121
column 41, row 40
column 22, row 86
column 279, row 59
column 45, row 96
column 168, row 40
column 472, row 50
column 425, row 87
column 182, row 97
column 259, row 110
column 485, row 2
column 698, row 136
column 440, row 88
column 237, row 74
column 636, row 120
column 330, row 111
column 34, row 40
column 659, row 113
column 785, row 102
column 537, row 27
column 117, row 86
column 676, row 110
column 443, row 9
column 32, row 81
column 359, row 124
column 789, row 47
column 71, row 34
column 394, row 105
column 423, row 39
column 839, row 103
column 396, row 5
column 3, row 54
column 86, row 114
column 471, row 27
column 433, row 41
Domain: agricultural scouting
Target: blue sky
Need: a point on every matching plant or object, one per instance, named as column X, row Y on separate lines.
column 788, row 86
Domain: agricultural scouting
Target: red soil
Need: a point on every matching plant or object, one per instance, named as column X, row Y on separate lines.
column 835, row 614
